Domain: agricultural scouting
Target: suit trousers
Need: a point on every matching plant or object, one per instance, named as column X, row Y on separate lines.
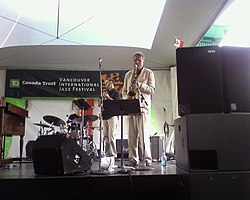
column 110, row 128
column 139, row 134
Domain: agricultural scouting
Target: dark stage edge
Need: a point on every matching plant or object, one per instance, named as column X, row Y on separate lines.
column 20, row 182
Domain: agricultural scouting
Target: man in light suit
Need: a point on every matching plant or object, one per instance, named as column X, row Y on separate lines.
column 139, row 83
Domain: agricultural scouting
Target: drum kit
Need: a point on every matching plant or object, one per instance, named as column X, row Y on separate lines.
column 77, row 129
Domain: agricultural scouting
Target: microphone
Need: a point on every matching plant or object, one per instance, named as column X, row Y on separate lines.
column 100, row 60
column 136, row 69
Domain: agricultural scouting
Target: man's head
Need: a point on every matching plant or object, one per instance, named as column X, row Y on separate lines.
column 78, row 111
column 109, row 83
column 138, row 59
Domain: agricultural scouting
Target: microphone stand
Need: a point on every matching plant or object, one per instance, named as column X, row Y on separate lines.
column 100, row 171
column 166, row 132
column 40, row 129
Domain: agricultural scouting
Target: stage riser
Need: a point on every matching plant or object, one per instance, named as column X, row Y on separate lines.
column 123, row 187
column 218, row 186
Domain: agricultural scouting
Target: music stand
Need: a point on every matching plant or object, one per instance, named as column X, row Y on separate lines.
column 82, row 104
column 121, row 108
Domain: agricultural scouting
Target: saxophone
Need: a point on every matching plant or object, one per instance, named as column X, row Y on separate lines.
column 105, row 92
column 133, row 89
column 106, row 95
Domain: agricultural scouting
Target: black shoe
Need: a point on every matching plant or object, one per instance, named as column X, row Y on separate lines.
column 131, row 164
column 148, row 164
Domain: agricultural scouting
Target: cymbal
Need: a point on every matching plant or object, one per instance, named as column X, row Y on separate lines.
column 43, row 125
column 53, row 120
column 90, row 118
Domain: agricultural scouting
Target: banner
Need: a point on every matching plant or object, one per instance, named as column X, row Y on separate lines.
column 55, row 83
column 118, row 77
column 52, row 83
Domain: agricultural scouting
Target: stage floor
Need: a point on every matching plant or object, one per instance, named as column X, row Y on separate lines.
column 20, row 182
column 15, row 170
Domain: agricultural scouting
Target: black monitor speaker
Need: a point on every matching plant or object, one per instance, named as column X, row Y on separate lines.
column 59, row 155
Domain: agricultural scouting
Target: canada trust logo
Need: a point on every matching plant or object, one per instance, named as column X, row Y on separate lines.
column 14, row 83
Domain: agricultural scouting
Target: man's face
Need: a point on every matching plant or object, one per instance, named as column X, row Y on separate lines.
column 78, row 111
column 138, row 61
column 108, row 84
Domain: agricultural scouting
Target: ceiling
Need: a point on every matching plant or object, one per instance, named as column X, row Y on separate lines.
column 188, row 20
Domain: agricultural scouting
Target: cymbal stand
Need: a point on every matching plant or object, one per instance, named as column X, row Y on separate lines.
column 81, row 128
column 85, row 136
column 40, row 132
column 51, row 128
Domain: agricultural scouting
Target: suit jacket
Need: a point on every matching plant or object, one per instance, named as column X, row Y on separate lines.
column 146, row 87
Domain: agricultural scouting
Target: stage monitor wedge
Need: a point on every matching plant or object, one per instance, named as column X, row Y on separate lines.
column 59, row 155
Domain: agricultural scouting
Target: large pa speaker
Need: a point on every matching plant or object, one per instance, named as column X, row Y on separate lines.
column 235, row 63
column 213, row 79
column 213, row 142
column 58, row 155
column 199, row 80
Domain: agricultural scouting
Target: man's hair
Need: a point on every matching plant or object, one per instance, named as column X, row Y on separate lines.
column 76, row 107
column 138, row 53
